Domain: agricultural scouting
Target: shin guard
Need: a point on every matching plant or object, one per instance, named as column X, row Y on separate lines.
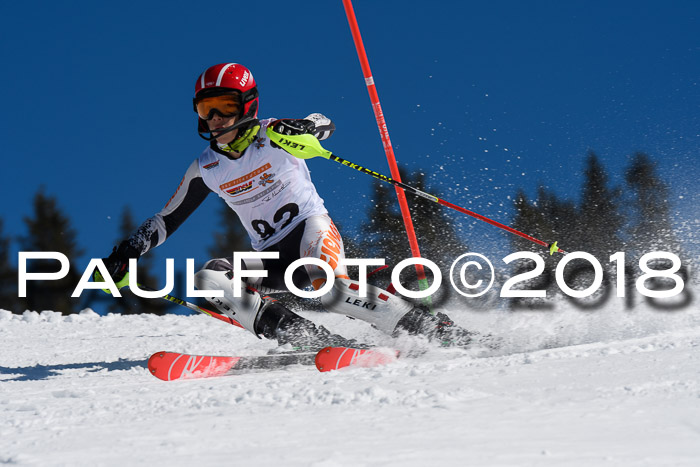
column 379, row 308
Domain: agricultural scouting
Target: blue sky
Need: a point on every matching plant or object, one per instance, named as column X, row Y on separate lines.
column 486, row 97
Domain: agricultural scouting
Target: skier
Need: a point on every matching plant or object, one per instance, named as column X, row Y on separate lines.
column 277, row 203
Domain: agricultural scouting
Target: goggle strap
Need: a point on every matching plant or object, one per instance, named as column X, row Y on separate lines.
column 249, row 95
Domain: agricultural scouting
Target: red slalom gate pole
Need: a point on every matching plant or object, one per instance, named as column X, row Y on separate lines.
column 384, row 132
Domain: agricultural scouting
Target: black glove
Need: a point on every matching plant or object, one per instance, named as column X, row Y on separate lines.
column 293, row 127
column 117, row 263
column 324, row 127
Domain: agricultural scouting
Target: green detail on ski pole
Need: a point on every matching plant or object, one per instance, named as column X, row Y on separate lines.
column 427, row 301
column 553, row 248
column 122, row 283
column 304, row 146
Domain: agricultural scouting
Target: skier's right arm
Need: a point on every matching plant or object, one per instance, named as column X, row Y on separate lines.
column 154, row 231
column 191, row 192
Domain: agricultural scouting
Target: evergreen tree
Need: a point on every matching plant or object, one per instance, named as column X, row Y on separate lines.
column 592, row 226
column 547, row 218
column 351, row 244
column 435, row 227
column 8, row 277
column 232, row 237
column 527, row 220
column 384, row 233
column 50, row 230
column 600, row 221
column 650, row 228
column 437, row 236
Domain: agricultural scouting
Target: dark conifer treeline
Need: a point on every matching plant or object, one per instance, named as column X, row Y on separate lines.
column 635, row 218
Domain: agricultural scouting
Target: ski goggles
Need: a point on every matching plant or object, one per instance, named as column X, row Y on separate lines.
column 225, row 105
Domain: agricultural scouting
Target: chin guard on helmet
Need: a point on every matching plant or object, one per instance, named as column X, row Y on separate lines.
column 239, row 144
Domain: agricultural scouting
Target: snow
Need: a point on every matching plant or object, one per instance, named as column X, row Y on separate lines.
column 625, row 391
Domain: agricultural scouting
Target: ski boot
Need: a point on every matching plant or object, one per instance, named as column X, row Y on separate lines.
column 276, row 321
column 440, row 328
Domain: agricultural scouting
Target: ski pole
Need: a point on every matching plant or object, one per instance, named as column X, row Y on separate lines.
column 307, row 146
column 178, row 301
column 192, row 306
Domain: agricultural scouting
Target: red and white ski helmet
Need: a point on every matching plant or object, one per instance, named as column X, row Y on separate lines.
column 226, row 77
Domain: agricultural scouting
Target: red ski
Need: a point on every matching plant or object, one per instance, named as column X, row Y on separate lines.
column 334, row 358
column 170, row 366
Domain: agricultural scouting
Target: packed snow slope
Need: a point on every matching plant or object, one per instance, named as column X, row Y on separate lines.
column 569, row 388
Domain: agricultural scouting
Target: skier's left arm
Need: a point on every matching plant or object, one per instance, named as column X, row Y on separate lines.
column 316, row 124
